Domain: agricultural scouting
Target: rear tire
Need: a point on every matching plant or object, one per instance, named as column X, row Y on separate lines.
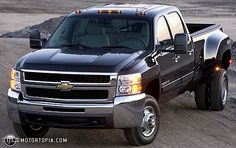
column 202, row 96
column 31, row 131
column 219, row 90
column 146, row 133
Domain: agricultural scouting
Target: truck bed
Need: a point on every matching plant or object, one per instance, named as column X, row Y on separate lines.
column 197, row 30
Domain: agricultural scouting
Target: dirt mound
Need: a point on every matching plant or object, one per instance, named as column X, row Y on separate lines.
column 234, row 45
column 234, row 50
column 233, row 54
column 46, row 28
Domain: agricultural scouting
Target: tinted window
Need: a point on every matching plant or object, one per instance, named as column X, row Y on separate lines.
column 102, row 32
column 175, row 23
column 163, row 33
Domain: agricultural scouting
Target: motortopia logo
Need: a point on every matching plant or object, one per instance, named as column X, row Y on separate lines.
column 11, row 140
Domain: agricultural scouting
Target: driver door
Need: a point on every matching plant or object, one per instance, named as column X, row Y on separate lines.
column 170, row 69
column 186, row 60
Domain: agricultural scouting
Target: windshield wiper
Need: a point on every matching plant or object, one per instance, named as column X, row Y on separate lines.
column 119, row 47
column 75, row 45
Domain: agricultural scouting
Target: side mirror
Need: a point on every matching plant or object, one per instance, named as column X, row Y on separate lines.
column 35, row 39
column 181, row 43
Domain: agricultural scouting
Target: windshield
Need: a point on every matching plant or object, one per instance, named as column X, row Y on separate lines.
column 101, row 32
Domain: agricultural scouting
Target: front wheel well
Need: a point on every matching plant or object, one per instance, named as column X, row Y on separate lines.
column 225, row 61
column 153, row 88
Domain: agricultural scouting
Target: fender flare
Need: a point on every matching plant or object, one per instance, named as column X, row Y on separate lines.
column 215, row 45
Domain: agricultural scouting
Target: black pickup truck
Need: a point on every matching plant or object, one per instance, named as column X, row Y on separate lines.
column 109, row 66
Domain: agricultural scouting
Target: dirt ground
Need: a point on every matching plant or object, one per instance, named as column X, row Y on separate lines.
column 182, row 125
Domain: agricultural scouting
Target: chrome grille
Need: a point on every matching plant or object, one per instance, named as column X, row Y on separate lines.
column 49, row 77
column 87, row 87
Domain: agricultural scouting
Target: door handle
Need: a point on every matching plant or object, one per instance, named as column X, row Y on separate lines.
column 176, row 58
column 190, row 52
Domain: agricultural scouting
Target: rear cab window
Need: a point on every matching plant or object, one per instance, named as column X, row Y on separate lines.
column 175, row 23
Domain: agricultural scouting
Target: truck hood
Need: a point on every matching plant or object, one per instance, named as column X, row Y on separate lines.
column 79, row 60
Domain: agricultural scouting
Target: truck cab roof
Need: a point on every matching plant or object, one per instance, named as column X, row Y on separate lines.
column 125, row 9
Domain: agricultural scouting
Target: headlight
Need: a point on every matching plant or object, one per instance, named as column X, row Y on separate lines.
column 15, row 80
column 129, row 84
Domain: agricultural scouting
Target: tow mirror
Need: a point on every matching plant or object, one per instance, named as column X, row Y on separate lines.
column 35, row 39
column 181, row 43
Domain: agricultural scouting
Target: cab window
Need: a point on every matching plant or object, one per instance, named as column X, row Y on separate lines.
column 163, row 33
column 175, row 23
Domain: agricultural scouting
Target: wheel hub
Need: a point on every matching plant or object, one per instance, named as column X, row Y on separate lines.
column 149, row 121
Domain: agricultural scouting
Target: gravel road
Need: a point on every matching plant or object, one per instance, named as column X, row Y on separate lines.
column 182, row 125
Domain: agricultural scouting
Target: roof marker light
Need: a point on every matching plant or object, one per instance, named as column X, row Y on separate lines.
column 78, row 11
column 141, row 13
column 110, row 11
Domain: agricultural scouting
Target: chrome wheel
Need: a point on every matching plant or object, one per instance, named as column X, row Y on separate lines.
column 224, row 91
column 147, row 131
column 218, row 91
column 149, row 121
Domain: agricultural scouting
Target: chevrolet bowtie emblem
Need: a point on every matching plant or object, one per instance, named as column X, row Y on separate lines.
column 65, row 86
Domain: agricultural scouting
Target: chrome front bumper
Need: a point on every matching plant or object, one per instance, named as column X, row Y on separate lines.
column 125, row 111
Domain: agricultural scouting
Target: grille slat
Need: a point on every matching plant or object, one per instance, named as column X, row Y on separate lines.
column 73, row 94
column 48, row 77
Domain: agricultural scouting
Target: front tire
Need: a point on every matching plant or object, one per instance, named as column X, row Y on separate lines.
column 219, row 90
column 31, row 131
column 146, row 133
